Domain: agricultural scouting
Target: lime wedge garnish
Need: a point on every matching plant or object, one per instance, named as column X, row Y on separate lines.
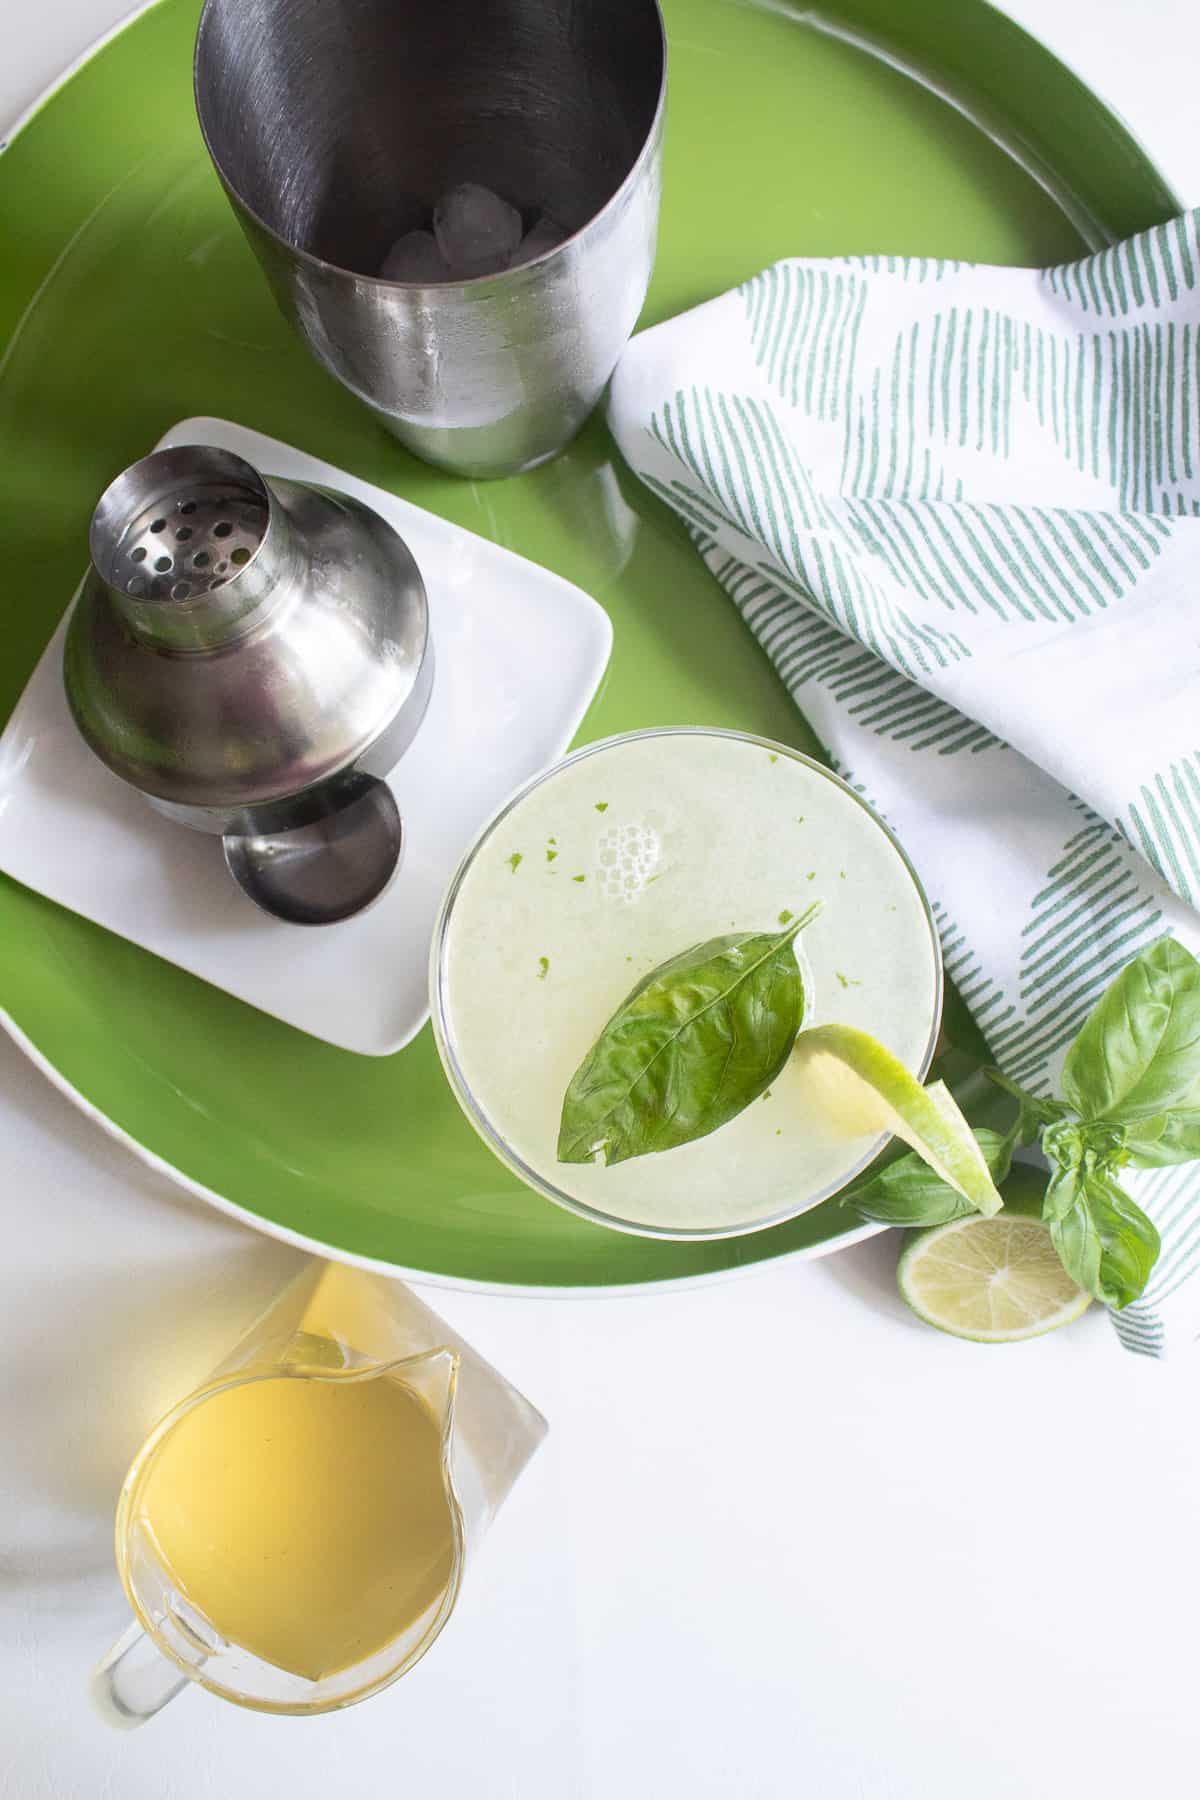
column 994, row 1281
column 864, row 1090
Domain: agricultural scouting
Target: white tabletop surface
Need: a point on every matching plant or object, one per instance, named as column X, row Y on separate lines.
column 782, row 1540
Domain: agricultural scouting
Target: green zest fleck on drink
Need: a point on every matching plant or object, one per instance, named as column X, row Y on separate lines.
column 681, row 837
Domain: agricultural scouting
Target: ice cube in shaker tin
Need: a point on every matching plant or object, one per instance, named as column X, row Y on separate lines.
column 476, row 231
column 546, row 235
column 415, row 257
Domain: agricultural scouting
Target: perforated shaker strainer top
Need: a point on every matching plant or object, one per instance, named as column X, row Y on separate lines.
column 187, row 542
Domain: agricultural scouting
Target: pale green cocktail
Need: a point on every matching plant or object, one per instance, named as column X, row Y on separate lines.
column 621, row 857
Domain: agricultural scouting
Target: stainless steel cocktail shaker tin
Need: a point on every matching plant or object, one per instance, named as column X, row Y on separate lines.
column 336, row 128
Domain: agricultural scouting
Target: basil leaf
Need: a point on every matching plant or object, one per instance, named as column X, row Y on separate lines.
column 1077, row 1242
column 694, row 1043
column 1138, row 1052
column 1063, row 1143
column 1104, row 1240
column 1172, row 1137
column 907, row 1192
column 1062, row 1191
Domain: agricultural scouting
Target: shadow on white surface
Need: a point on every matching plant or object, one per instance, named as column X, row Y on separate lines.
column 82, row 1393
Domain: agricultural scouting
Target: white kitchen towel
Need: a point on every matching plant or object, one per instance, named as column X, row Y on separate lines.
column 958, row 506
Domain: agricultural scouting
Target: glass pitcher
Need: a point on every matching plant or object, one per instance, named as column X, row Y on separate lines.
column 341, row 1328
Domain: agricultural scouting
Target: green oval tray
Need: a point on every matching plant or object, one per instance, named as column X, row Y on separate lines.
column 128, row 300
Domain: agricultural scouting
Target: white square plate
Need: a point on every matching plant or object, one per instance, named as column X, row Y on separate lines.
column 519, row 654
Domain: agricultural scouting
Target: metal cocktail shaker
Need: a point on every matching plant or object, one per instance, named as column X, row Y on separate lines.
column 334, row 126
column 253, row 657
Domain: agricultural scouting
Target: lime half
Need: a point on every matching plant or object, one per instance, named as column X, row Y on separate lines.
column 864, row 1088
column 994, row 1281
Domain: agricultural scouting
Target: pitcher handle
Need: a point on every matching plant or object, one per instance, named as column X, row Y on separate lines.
column 133, row 1681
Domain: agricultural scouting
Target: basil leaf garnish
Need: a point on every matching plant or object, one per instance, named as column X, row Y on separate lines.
column 1138, row 1052
column 694, row 1043
column 908, row 1192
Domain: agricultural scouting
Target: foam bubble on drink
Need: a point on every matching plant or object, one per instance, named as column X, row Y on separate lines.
column 628, row 857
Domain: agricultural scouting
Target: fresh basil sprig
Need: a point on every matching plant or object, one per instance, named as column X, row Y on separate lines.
column 1130, row 1098
column 694, row 1043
